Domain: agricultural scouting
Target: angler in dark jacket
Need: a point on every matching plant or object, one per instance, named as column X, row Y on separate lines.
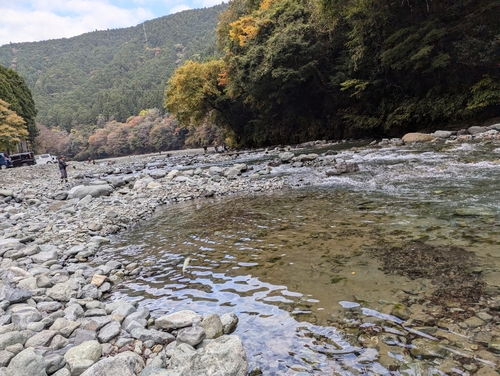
column 62, row 168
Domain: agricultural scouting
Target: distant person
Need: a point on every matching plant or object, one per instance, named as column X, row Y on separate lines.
column 216, row 147
column 205, row 148
column 90, row 160
column 62, row 168
column 224, row 146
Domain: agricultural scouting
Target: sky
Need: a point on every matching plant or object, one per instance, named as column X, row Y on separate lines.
column 36, row 20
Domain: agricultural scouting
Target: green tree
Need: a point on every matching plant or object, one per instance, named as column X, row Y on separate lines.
column 14, row 90
column 12, row 127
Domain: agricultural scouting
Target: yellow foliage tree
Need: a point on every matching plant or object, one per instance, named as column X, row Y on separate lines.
column 194, row 91
column 12, row 127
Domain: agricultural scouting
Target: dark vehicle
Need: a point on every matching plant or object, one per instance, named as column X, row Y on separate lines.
column 4, row 162
column 22, row 159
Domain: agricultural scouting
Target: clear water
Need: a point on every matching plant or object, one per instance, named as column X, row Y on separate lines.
column 287, row 262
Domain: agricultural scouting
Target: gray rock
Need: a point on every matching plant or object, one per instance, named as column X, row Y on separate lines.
column 62, row 372
column 123, row 366
column 177, row 320
column 476, row 130
column 222, row 356
column 442, row 134
column 425, row 349
column 124, row 309
column 109, row 331
column 36, row 326
column 41, row 339
column 142, row 334
column 5, row 358
column 90, row 291
column 14, row 295
column 139, row 362
column 192, row 335
column 42, row 257
column 229, row 322
column 89, row 351
column 64, row 291
column 74, row 312
column 49, row 306
column 155, row 371
column 53, row 363
column 81, row 191
column 286, row 156
column 212, row 326
column 95, row 322
column 58, row 342
column 26, row 363
column 95, row 312
column 24, row 316
column 140, row 315
column 82, row 336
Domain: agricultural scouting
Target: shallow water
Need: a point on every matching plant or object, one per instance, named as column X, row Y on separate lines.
column 288, row 263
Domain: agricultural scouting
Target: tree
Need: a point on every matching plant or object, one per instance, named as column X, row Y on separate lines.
column 12, row 127
column 14, row 90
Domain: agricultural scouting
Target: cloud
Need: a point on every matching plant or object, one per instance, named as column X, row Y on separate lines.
column 29, row 21
column 179, row 8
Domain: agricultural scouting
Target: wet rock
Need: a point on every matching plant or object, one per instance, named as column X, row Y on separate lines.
column 286, row 156
column 229, row 322
column 494, row 345
column 474, row 212
column 26, row 363
column 401, row 311
column 474, row 322
column 425, row 349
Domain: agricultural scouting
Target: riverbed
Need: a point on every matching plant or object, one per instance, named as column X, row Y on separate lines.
column 308, row 270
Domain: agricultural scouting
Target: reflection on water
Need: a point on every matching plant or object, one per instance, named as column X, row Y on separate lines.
column 287, row 263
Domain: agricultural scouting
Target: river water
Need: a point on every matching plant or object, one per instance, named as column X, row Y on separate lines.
column 291, row 264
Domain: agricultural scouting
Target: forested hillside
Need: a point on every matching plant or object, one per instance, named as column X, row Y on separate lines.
column 110, row 74
column 296, row 70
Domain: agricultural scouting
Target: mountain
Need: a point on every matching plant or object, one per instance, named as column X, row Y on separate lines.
column 110, row 74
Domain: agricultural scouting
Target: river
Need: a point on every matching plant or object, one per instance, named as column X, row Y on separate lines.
column 299, row 266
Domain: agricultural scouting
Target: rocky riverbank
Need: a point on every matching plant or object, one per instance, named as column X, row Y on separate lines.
column 53, row 321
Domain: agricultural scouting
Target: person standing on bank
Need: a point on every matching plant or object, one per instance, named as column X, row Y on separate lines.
column 62, row 168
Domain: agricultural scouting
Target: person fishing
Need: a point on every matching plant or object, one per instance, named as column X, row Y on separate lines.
column 62, row 168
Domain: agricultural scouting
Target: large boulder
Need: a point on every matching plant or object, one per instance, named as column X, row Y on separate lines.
column 81, row 191
column 222, row 356
column 476, row 130
column 26, row 363
column 417, row 137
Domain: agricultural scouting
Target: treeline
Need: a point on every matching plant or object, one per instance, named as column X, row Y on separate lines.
column 148, row 132
column 110, row 74
column 296, row 70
